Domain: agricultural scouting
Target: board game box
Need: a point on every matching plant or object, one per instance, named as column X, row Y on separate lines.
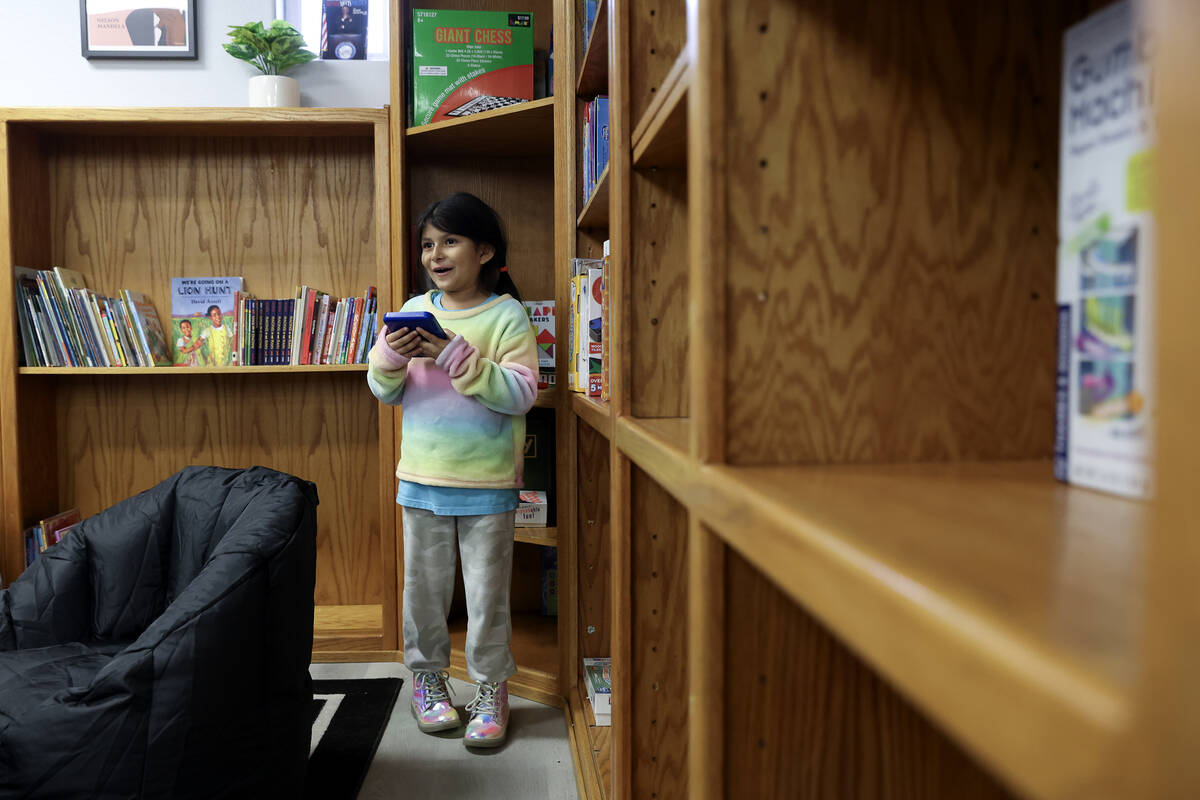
column 465, row 62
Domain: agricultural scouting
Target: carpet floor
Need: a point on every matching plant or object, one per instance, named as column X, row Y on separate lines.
column 534, row 763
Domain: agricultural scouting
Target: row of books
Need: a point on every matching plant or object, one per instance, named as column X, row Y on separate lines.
column 597, row 680
column 595, row 143
column 63, row 323
column 314, row 327
column 587, row 327
column 50, row 531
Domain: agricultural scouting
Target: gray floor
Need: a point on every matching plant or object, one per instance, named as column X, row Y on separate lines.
column 534, row 763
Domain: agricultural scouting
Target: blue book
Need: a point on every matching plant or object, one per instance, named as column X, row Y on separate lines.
column 600, row 123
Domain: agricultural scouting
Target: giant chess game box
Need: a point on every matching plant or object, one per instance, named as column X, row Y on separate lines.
column 464, row 62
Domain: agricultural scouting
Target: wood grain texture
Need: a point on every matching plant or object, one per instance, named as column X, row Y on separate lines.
column 708, row 318
column 657, row 34
column 707, row 684
column 658, row 294
column 389, row 540
column 658, row 671
column 660, row 138
column 596, row 414
column 534, row 645
column 1169, row 715
column 593, row 69
column 591, row 747
column 132, row 212
column 594, row 212
column 594, row 535
column 598, row 744
column 28, row 438
column 181, row 121
column 120, row 435
column 847, row 734
column 891, row 247
column 1005, row 605
column 522, row 193
column 589, row 242
column 516, row 130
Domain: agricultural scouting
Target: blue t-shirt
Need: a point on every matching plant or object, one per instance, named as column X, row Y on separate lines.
column 455, row 501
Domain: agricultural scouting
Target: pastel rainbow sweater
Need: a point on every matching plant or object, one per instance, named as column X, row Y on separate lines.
column 464, row 413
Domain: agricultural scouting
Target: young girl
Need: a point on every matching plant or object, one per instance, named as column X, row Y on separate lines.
column 461, row 455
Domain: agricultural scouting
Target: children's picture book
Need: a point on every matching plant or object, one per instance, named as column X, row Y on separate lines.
column 595, row 330
column 541, row 316
column 203, row 321
column 465, row 62
column 1105, row 395
column 149, row 328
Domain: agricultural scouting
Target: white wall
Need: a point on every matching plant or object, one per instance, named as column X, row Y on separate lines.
column 42, row 65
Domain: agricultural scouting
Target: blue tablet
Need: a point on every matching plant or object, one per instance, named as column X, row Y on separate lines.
column 395, row 320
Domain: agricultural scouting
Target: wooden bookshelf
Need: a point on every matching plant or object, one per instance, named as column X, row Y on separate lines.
column 660, row 138
column 517, row 130
column 595, row 211
column 593, row 71
column 133, row 197
column 182, row 371
column 593, row 412
column 547, row 537
column 830, row 425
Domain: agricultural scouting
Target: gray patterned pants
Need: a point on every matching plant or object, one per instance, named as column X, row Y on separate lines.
column 485, row 543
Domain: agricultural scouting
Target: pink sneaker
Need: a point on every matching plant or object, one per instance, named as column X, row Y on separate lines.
column 489, row 715
column 431, row 702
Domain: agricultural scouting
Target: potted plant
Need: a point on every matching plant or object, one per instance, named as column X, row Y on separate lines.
column 273, row 50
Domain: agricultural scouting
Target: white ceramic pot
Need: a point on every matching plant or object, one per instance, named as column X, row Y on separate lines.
column 277, row 91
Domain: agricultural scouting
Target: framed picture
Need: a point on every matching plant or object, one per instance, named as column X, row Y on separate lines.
column 123, row 29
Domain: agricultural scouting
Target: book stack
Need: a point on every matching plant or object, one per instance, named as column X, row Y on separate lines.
column 587, row 328
column 314, row 327
column 49, row 532
column 595, row 143
column 597, row 679
column 63, row 323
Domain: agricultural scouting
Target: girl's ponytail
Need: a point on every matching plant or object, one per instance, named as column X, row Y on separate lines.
column 465, row 214
column 504, row 283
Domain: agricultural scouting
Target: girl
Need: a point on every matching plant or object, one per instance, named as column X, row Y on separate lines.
column 461, row 456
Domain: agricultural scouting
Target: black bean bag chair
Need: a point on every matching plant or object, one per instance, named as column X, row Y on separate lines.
column 162, row 648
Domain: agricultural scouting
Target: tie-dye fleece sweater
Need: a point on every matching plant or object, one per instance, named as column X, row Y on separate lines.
column 464, row 413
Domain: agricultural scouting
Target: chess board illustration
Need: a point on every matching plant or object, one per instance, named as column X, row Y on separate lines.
column 484, row 102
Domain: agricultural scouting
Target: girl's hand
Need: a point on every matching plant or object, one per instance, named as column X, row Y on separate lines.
column 405, row 342
column 431, row 345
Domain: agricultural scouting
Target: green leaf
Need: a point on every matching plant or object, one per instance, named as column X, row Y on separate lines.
column 273, row 50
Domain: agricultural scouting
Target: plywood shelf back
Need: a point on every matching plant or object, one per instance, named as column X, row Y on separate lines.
column 593, row 71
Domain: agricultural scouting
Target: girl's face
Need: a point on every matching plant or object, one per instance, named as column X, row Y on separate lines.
column 215, row 316
column 453, row 261
column 185, row 328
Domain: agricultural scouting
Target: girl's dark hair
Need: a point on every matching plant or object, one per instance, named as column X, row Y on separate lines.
column 466, row 215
